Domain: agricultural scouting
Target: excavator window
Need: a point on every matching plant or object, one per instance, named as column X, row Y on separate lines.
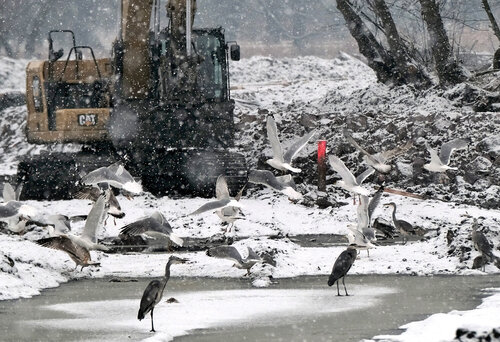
column 210, row 78
column 37, row 94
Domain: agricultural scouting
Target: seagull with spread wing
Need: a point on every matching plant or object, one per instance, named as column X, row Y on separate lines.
column 348, row 181
column 283, row 161
column 226, row 207
column 115, row 175
column 231, row 253
column 94, row 223
column 79, row 254
column 155, row 226
column 440, row 163
column 92, row 193
column 379, row 160
column 283, row 184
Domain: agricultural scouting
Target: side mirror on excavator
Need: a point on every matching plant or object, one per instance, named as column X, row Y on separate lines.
column 235, row 52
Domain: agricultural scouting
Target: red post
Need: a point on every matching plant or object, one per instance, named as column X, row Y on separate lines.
column 322, row 165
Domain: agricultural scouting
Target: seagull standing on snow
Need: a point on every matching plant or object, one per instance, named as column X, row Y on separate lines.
column 283, row 184
column 378, row 161
column 227, row 208
column 16, row 214
column 115, row 175
column 348, row 181
column 154, row 226
column 231, row 253
column 439, row 163
column 280, row 161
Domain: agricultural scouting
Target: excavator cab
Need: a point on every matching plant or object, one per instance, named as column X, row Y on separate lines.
column 68, row 100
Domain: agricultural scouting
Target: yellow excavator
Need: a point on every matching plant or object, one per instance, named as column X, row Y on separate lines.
column 161, row 105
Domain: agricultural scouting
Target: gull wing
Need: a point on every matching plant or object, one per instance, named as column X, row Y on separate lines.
column 252, row 255
column 143, row 225
column 95, row 219
column 77, row 253
column 10, row 209
column 266, row 178
column 339, row 166
column 9, row 194
column 353, row 142
column 448, row 148
column 272, row 135
column 221, row 189
column 297, row 146
column 362, row 211
column 88, row 193
column 434, row 156
column 100, row 175
column 121, row 173
column 240, row 193
column 374, row 202
column 287, row 180
column 225, row 252
column 388, row 155
column 214, row 205
column 367, row 173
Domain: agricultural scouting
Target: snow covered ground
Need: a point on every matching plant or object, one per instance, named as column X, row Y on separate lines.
column 302, row 93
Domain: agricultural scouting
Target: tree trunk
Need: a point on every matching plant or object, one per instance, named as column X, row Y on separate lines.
column 378, row 58
column 448, row 70
column 407, row 70
column 491, row 17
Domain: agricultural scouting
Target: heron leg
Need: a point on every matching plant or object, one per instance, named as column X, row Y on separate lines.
column 343, row 282
column 338, row 292
column 152, row 326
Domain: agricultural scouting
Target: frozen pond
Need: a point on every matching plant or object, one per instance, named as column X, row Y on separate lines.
column 230, row 309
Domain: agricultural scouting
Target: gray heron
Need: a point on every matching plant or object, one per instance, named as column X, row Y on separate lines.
column 154, row 291
column 341, row 266
column 283, row 161
column 483, row 246
column 405, row 228
column 440, row 163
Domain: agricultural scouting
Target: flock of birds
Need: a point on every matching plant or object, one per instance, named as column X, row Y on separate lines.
column 99, row 184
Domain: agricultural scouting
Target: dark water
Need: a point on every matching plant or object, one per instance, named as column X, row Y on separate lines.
column 369, row 311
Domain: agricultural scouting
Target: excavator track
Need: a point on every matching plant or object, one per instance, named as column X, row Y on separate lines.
column 183, row 172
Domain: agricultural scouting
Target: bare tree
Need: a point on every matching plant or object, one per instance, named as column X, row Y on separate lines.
column 491, row 17
column 447, row 68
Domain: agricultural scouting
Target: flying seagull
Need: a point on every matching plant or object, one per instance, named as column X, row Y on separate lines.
column 154, row 226
column 92, row 193
column 94, row 222
column 439, row 163
column 115, row 175
column 79, row 254
column 379, row 160
column 282, row 184
column 227, row 214
column 223, row 199
column 283, row 161
column 348, row 181
column 231, row 253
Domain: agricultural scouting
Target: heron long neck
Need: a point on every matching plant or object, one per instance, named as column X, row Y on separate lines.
column 394, row 213
column 167, row 273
